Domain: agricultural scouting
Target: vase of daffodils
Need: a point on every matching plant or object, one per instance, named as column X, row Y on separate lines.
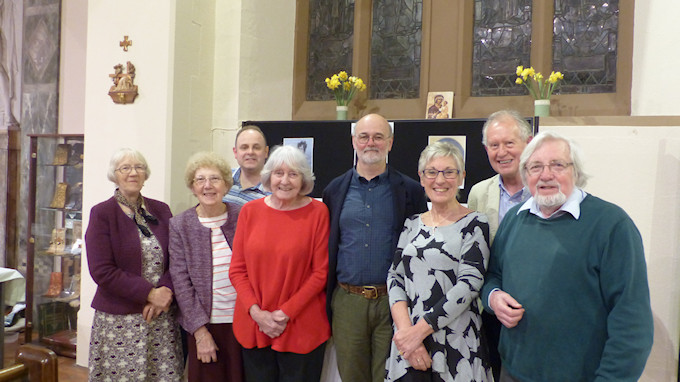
column 539, row 87
column 344, row 88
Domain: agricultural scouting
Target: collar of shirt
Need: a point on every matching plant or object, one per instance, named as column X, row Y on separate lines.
column 378, row 179
column 236, row 175
column 521, row 195
column 508, row 201
column 571, row 206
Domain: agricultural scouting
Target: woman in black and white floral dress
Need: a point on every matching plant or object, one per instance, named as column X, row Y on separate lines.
column 435, row 279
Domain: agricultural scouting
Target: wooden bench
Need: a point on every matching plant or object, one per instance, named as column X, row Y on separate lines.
column 33, row 363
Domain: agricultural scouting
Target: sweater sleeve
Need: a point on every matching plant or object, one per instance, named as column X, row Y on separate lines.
column 238, row 271
column 469, row 278
column 316, row 283
column 625, row 291
column 193, row 314
column 493, row 278
column 102, row 260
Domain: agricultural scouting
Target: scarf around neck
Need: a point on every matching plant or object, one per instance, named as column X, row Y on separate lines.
column 141, row 217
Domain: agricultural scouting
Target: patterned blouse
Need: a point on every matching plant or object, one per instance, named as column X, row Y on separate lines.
column 439, row 273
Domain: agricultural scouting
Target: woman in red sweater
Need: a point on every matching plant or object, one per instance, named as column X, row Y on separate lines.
column 279, row 269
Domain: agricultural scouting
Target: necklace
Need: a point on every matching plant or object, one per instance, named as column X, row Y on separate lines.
column 444, row 219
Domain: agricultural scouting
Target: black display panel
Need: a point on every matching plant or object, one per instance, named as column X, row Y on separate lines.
column 333, row 153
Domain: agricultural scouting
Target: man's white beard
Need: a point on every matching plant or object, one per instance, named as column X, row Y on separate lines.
column 550, row 201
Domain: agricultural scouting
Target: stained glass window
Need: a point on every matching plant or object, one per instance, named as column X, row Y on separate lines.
column 585, row 45
column 502, row 41
column 396, row 49
column 331, row 30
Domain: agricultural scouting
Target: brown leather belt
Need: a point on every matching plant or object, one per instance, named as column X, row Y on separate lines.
column 370, row 292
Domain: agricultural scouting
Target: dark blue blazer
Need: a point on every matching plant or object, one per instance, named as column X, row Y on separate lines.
column 408, row 197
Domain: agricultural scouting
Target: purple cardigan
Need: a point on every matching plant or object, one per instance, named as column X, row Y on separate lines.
column 191, row 264
column 114, row 256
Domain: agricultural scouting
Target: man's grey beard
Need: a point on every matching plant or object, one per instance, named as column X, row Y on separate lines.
column 549, row 201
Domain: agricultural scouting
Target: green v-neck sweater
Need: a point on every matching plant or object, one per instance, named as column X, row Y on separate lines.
column 583, row 285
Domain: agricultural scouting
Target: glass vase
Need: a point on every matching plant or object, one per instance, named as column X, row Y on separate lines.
column 542, row 107
column 341, row 113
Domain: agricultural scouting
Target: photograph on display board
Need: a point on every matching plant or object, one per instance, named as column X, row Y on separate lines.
column 439, row 105
column 306, row 145
column 457, row 140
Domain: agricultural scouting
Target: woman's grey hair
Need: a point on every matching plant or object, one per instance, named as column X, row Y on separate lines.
column 441, row 149
column 205, row 159
column 295, row 159
column 122, row 154
column 575, row 154
column 525, row 131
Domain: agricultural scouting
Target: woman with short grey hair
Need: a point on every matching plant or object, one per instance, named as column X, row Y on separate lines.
column 279, row 269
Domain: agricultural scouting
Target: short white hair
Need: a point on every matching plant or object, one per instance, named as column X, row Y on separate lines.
column 296, row 160
column 122, row 154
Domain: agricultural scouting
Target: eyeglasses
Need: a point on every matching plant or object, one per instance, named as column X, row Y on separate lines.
column 213, row 180
column 449, row 173
column 128, row 169
column 555, row 167
column 377, row 139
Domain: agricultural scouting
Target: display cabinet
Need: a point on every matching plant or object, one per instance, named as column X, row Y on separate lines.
column 54, row 240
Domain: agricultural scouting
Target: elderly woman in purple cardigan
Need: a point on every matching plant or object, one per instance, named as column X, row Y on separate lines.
column 135, row 335
column 201, row 239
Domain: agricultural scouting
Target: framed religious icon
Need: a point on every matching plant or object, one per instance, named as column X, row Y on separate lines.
column 439, row 105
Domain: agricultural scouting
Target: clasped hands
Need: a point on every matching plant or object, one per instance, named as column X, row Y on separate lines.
column 158, row 301
column 270, row 323
column 508, row 311
column 409, row 342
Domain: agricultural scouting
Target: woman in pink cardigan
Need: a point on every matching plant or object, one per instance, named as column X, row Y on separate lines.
column 201, row 244
column 279, row 269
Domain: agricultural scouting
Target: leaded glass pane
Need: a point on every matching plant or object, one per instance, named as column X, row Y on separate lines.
column 584, row 45
column 331, row 30
column 502, row 41
column 396, row 49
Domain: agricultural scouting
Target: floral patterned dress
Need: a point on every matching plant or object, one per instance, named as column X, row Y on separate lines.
column 124, row 347
column 439, row 273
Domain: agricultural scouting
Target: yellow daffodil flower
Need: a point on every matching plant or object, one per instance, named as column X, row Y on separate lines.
column 538, row 86
column 344, row 87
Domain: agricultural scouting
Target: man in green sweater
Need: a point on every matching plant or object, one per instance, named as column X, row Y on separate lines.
column 567, row 278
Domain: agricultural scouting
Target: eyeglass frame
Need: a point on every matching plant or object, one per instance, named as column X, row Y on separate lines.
column 139, row 168
column 377, row 138
column 443, row 172
column 555, row 167
column 212, row 179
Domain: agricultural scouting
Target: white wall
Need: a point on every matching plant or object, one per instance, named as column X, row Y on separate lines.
column 254, row 77
column 655, row 57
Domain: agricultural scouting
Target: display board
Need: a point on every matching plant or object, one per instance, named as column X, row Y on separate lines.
column 328, row 144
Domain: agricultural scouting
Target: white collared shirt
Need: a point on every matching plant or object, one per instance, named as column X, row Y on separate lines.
column 572, row 205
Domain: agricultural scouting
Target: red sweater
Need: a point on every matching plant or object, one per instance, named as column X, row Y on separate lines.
column 280, row 261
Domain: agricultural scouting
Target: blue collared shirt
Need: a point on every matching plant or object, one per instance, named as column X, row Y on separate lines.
column 242, row 196
column 508, row 201
column 365, row 249
column 571, row 206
